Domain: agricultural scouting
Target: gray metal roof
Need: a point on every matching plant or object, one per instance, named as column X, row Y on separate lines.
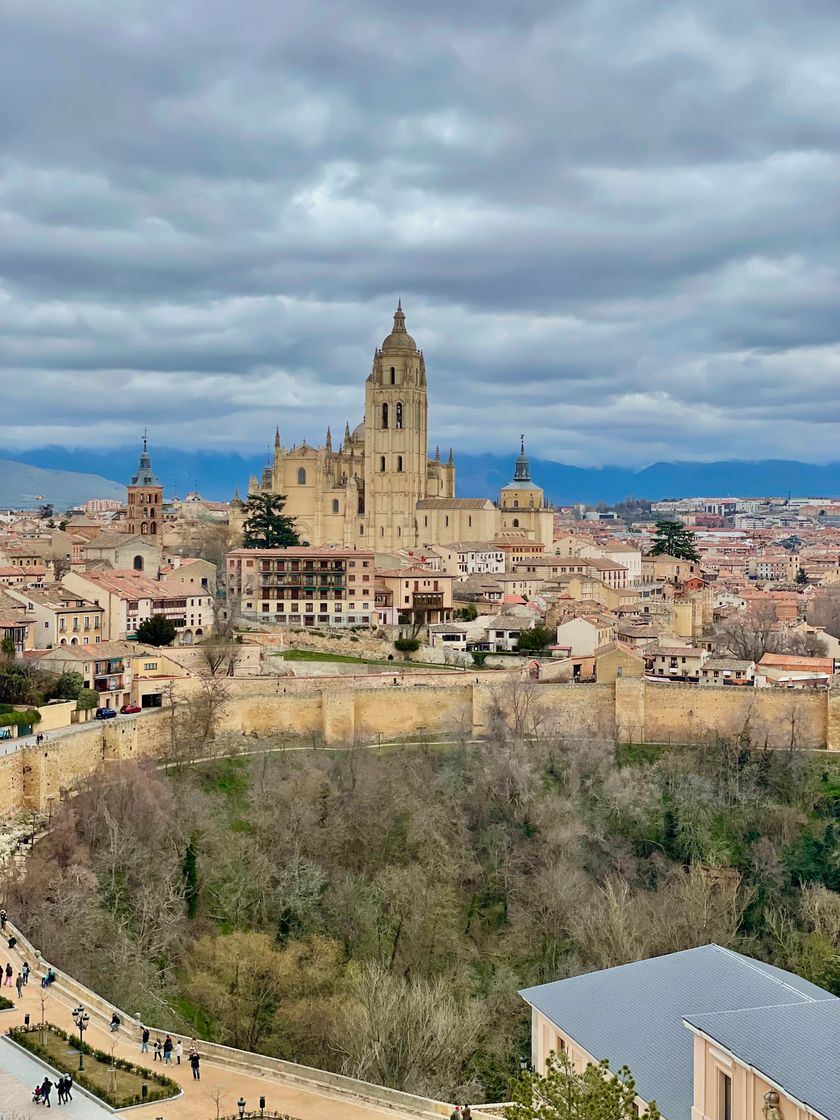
column 634, row 1014
column 794, row 1045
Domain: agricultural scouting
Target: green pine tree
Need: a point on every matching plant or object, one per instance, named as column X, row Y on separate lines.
column 673, row 539
column 564, row 1094
column 189, row 869
column 266, row 526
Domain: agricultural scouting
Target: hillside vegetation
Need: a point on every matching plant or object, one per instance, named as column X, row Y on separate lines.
column 376, row 912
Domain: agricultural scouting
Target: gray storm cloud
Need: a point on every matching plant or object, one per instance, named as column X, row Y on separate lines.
column 615, row 225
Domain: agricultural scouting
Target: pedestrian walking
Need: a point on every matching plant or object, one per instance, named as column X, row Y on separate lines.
column 46, row 1086
column 68, row 1085
column 195, row 1063
column 193, row 1045
column 456, row 1113
column 466, row 1114
column 60, row 1089
column 144, row 1041
column 25, row 973
column 9, row 974
column 19, row 984
column 167, row 1050
column 158, row 1049
column 2, row 919
column 179, row 1051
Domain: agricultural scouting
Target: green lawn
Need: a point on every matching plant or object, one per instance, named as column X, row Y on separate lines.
column 348, row 659
column 119, row 1087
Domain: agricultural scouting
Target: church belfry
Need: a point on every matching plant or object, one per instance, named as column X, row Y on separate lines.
column 145, row 498
column 396, row 440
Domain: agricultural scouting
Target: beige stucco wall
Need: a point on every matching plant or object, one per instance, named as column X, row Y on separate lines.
column 748, row 1087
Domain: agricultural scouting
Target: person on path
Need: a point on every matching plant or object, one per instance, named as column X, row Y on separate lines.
column 158, row 1048
column 68, row 1085
column 19, row 984
column 456, row 1113
column 466, row 1114
column 115, row 1022
column 46, row 1086
column 25, row 973
column 195, row 1061
column 144, row 1041
column 2, row 919
column 193, row 1045
column 179, row 1051
column 60, row 1089
column 9, row 974
column 167, row 1050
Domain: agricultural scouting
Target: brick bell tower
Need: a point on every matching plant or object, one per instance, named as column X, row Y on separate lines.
column 145, row 499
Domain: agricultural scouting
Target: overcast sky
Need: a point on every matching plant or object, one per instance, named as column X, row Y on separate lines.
column 613, row 225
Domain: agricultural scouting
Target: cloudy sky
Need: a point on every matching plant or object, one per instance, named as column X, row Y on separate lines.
column 613, row 225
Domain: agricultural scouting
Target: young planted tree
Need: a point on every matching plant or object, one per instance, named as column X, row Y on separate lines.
column 156, row 631
column 266, row 526
column 673, row 539
column 562, row 1093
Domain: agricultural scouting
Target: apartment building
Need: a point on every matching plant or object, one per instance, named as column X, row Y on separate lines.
column 63, row 617
column 303, row 586
column 129, row 598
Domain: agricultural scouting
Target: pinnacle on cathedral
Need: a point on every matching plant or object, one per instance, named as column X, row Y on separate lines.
column 144, row 475
column 399, row 338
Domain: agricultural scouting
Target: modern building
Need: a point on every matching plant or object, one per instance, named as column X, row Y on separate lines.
column 303, row 586
column 708, row 1034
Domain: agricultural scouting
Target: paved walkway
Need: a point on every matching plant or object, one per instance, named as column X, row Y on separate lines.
column 199, row 1100
column 20, row 1073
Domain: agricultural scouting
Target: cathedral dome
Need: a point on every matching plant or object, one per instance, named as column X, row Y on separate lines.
column 399, row 338
column 358, row 433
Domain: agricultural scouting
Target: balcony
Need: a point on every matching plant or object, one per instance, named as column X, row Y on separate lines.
column 427, row 601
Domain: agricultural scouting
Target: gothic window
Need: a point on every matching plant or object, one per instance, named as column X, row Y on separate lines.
column 393, row 376
column 399, row 463
column 335, row 505
column 138, row 563
column 153, row 529
column 144, row 528
column 384, row 416
column 382, row 462
column 301, row 477
column 399, row 420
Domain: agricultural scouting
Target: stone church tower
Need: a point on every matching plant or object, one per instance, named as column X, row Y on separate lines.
column 145, row 500
column 396, row 440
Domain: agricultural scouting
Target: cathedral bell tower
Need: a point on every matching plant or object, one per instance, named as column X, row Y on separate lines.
column 396, row 440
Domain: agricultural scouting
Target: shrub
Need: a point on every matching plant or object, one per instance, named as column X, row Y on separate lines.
column 20, row 719
column 479, row 656
column 407, row 645
column 5, row 1004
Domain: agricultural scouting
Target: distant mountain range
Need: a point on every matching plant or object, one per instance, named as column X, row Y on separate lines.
column 25, row 486
column 214, row 475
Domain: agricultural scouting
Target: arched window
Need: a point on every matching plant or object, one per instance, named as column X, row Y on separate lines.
column 516, row 503
column 385, row 416
column 516, row 522
column 335, row 505
column 393, row 376
column 153, row 529
column 138, row 563
column 399, row 421
column 399, row 463
column 301, row 477
column 144, row 528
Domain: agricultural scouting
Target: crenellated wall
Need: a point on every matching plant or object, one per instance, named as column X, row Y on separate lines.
column 363, row 709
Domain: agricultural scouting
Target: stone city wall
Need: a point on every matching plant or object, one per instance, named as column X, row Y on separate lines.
column 451, row 705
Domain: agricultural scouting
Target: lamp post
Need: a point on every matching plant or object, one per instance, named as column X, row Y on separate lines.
column 81, row 1019
column 240, row 1104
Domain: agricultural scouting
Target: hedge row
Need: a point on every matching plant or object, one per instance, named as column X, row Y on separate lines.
column 160, row 1087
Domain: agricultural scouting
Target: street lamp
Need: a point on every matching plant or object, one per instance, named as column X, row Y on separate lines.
column 81, row 1019
column 240, row 1104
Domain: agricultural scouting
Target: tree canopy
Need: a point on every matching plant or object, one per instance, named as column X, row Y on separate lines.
column 563, row 1093
column 673, row 539
column 536, row 639
column 266, row 526
column 156, row 631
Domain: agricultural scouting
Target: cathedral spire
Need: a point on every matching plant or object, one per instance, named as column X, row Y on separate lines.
column 328, row 443
column 145, row 476
column 523, row 467
column 346, row 432
column 399, row 319
column 451, row 460
column 437, row 454
column 277, row 436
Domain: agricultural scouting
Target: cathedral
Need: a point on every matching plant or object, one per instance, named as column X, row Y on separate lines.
column 379, row 488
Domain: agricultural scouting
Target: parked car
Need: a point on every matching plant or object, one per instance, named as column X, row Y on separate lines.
column 106, row 713
column 130, row 709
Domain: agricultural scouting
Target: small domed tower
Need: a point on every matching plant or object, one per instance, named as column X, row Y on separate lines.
column 145, row 499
